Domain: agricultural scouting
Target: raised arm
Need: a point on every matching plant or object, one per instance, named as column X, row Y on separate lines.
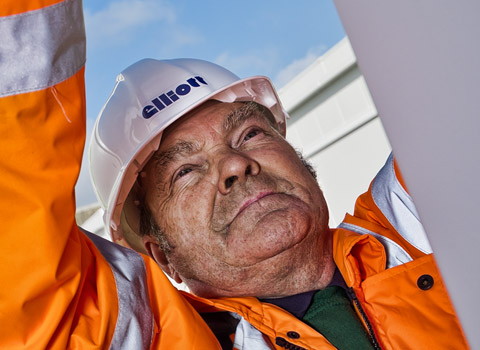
column 42, row 136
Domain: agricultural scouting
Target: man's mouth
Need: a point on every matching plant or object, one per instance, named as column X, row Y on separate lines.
column 246, row 204
column 251, row 195
column 252, row 200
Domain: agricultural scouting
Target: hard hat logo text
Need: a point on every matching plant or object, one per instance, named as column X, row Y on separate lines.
column 166, row 99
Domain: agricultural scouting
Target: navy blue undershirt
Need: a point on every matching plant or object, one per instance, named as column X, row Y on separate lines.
column 298, row 304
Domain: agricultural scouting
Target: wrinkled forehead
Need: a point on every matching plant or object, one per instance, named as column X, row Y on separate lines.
column 221, row 116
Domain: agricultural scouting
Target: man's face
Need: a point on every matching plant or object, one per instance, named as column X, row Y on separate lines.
column 241, row 213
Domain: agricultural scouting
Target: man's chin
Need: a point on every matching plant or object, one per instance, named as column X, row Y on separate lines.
column 273, row 234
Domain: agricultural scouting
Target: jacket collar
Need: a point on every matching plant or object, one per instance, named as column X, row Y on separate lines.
column 357, row 256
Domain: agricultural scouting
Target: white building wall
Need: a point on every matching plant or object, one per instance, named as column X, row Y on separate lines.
column 335, row 124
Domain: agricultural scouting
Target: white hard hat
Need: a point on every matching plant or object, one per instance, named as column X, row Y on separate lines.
column 148, row 97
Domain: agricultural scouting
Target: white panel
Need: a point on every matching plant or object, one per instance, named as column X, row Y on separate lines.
column 355, row 101
column 420, row 60
column 326, row 68
column 331, row 113
column 329, row 117
column 346, row 168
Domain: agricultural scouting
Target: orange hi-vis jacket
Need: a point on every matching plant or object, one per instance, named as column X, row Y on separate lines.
column 385, row 259
column 59, row 290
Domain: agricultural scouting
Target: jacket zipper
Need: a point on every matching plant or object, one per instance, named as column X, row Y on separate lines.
column 362, row 313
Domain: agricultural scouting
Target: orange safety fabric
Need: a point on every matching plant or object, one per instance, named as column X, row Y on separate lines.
column 9, row 8
column 57, row 291
column 177, row 324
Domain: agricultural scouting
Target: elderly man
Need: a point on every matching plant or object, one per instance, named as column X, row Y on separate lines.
column 192, row 167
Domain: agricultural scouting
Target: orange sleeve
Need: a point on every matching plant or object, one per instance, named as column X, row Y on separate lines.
column 45, row 262
column 10, row 8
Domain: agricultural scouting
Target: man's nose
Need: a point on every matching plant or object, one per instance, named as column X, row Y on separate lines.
column 235, row 167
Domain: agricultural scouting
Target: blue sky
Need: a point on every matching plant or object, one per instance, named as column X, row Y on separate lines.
column 274, row 38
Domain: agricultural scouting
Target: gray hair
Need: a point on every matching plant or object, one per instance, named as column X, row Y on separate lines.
column 149, row 226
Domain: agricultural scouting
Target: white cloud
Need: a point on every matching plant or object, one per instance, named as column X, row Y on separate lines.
column 249, row 63
column 298, row 65
column 265, row 61
column 122, row 18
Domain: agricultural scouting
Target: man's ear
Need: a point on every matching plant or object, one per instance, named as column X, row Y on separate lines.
column 156, row 253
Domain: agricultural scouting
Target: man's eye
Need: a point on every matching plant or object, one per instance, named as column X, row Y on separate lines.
column 183, row 172
column 251, row 134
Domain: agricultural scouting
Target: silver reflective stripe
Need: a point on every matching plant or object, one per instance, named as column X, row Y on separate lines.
column 396, row 255
column 41, row 48
column 397, row 206
column 134, row 328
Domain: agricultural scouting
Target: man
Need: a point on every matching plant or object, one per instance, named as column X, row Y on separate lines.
column 198, row 175
column 60, row 290
column 63, row 288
